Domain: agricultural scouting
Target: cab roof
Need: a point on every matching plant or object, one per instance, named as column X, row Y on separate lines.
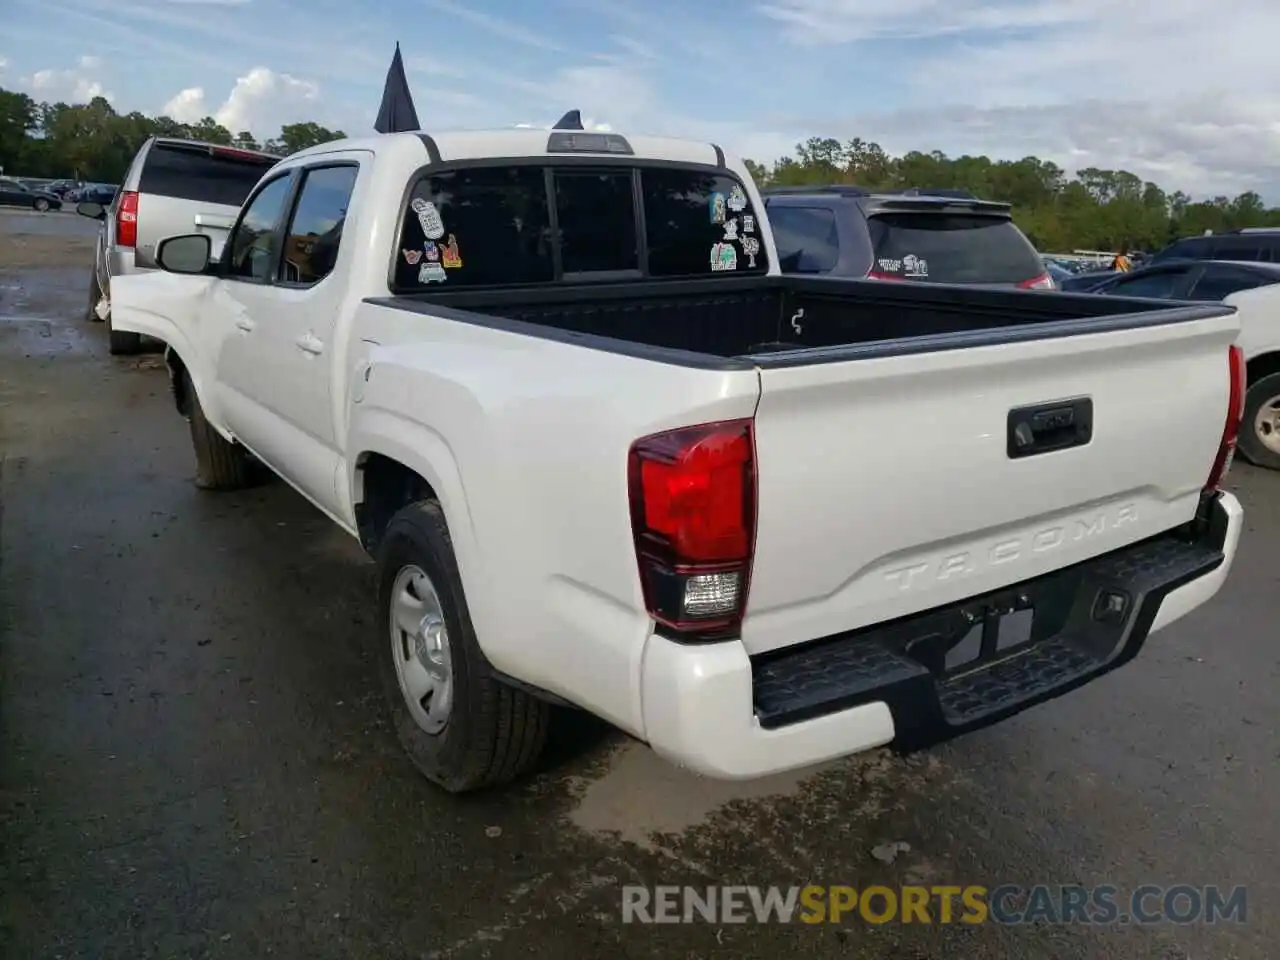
column 452, row 146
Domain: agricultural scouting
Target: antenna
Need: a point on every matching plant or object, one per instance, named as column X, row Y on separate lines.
column 570, row 121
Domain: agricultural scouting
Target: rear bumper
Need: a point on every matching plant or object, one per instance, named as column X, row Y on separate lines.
column 722, row 713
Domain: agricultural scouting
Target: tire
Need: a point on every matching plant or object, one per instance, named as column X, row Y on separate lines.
column 492, row 733
column 1260, row 426
column 220, row 464
column 41, row 205
column 120, row 343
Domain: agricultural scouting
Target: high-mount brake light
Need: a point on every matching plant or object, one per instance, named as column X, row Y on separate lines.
column 127, row 219
column 1235, row 411
column 693, row 517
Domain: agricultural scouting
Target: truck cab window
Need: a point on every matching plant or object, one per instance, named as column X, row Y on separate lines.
column 253, row 246
column 596, row 214
column 482, row 226
column 699, row 223
column 315, row 230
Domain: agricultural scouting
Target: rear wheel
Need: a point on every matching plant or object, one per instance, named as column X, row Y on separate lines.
column 41, row 204
column 462, row 727
column 220, row 464
column 1260, row 426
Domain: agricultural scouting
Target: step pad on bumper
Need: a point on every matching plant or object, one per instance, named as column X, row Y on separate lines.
column 1088, row 619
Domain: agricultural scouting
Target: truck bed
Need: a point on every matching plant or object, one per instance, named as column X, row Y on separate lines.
column 752, row 318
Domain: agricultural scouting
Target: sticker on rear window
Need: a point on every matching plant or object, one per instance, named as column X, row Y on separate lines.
column 717, row 208
column 908, row 266
column 737, row 199
column 731, row 230
column 724, row 257
column 411, row 257
column 428, row 218
column 750, row 246
column 452, row 257
column 432, row 273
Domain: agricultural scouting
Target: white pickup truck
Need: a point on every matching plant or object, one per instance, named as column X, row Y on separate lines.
column 605, row 455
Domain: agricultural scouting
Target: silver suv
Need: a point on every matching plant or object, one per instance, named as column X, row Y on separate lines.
column 172, row 187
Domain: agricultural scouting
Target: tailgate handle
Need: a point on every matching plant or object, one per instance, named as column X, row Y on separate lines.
column 1049, row 426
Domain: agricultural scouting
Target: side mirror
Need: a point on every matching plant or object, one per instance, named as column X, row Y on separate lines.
column 94, row 211
column 185, row 254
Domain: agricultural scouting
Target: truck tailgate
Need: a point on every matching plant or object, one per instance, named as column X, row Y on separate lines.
column 887, row 487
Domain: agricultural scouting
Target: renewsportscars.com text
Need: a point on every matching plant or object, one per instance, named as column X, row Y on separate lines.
column 1007, row 904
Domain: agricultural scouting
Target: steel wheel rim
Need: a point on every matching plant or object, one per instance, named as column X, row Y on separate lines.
column 420, row 649
column 1266, row 424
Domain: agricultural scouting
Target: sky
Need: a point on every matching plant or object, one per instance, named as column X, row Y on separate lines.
column 1184, row 92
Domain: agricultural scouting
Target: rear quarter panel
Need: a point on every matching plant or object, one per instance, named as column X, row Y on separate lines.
column 525, row 442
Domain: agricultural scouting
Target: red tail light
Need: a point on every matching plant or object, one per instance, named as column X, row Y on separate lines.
column 1231, row 431
column 693, row 509
column 127, row 220
column 1042, row 282
column 877, row 275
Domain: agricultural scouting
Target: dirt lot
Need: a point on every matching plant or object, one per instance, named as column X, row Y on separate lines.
column 193, row 761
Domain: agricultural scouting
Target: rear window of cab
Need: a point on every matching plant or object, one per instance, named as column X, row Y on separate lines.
column 541, row 223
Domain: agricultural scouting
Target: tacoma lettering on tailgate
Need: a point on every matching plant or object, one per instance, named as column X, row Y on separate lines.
column 963, row 563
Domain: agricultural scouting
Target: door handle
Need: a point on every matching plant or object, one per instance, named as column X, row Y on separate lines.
column 310, row 343
column 245, row 324
column 1049, row 426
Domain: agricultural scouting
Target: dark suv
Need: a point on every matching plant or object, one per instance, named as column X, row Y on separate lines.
column 1261, row 244
column 939, row 236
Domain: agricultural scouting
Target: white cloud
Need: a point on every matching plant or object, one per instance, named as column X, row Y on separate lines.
column 1173, row 92
column 261, row 101
column 90, row 63
column 65, row 86
column 186, row 106
column 4, row 64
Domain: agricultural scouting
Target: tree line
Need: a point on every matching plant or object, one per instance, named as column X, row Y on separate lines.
column 1093, row 210
column 91, row 141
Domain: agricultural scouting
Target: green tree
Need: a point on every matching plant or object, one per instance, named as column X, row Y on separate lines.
column 299, row 136
column 19, row 118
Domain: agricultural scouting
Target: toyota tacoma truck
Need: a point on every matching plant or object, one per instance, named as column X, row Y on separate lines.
column 605, row 455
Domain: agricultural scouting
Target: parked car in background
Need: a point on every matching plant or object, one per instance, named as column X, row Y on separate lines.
column 1057, row 272
column 732, row 526
column 937, row 236
column 1253, row 244
column 1254, row 290
column 1179, row 280
column 103, row 193
column 172, row 187
column 62, row 187
column 14, row 193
